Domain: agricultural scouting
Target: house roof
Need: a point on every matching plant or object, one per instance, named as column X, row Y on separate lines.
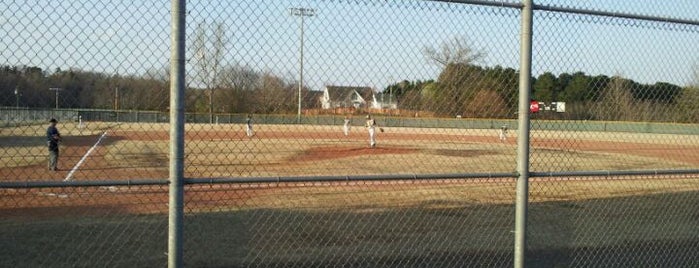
column 338, row 93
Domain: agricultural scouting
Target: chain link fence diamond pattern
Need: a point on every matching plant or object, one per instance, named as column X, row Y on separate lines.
column 280, row 101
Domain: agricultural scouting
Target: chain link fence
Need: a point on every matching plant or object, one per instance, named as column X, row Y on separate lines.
column 350, row 133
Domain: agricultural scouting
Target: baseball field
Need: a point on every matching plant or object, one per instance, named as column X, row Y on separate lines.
column 130, row 151
column 363, row 223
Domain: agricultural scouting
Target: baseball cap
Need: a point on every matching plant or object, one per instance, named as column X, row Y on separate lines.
column 53, row 120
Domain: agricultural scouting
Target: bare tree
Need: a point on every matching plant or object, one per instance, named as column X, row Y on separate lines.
column 209, row 47
column 160, row 74
column 453, row 51
column 688, row 102
column 238, row 85
column 617, row 102
column 695, row 77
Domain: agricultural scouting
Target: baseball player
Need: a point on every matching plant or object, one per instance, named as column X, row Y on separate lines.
column 346, row 126
column 80, row 122
column 503, row 133
column 248, row 126
column 371, row 126
column 53, row 137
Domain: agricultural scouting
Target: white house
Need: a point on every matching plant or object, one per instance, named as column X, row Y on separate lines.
column 346, row 97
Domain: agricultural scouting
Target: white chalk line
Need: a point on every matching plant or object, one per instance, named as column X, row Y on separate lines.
column 77, row 165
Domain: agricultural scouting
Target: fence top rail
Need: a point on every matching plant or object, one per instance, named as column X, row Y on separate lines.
column 237, row 180
column 485, row 3
column 101, row 183
column 613, row 14
column 354, row 178
column 349, row 178
column 579, row 11
column 608, row 173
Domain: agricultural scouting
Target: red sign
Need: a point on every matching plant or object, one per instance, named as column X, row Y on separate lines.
column 534, row 106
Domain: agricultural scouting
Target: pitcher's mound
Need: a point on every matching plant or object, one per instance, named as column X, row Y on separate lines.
column 334, row 152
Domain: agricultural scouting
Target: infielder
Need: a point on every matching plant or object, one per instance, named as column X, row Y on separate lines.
column 371, row 126
column 248, row 126
column 503, row 133
column 53, row 137
column 346, row 126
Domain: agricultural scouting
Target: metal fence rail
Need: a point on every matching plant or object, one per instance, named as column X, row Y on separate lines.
column 542, row 133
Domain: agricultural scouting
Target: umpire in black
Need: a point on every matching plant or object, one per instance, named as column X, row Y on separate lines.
column 53, row 138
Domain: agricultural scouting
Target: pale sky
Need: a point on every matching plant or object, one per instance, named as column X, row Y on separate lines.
column 354, row 43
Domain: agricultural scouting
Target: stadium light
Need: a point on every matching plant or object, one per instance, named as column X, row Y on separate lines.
column 301, row 12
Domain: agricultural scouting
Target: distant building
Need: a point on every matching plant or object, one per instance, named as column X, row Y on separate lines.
column 346, row 97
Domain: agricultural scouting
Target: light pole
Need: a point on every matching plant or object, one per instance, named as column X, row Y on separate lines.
column 57, row 89
column 390, row 93
column 17, row 97
column 301, row 12
column 116, row 98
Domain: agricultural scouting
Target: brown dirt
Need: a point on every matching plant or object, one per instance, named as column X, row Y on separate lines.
column 57, row 202
column 335, row 152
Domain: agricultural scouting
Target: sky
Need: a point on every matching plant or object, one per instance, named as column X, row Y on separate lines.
column 351, row 42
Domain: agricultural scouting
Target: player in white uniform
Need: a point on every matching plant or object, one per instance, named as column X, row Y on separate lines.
column 503, row 133
column 248, row 126
column 346, row 126
column 371, row 126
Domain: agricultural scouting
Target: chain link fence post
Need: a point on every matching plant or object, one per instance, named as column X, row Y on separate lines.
column 177, row 87
column 523, row 138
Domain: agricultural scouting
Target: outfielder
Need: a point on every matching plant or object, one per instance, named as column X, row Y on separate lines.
column 53, row 137
column 346, row 126
column 371, row 126
column 80, row 122
column 248, row 126
column 503, row 133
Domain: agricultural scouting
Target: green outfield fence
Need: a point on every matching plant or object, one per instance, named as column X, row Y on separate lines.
column 466, row 174
column 14, row 116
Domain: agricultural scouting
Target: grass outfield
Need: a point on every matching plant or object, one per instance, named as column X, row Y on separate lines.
column 630, row 231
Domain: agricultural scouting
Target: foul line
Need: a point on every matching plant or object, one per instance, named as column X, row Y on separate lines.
column 77, row 165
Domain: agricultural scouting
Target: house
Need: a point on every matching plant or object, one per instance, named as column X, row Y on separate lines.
column 346, row 97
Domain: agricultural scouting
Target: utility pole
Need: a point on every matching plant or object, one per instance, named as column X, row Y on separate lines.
column 116, row 98
column 301, row 12
column 56, row 89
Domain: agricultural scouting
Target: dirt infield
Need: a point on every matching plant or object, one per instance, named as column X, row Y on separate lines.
column 237, row 223
column 128, row 153
column 142, row 154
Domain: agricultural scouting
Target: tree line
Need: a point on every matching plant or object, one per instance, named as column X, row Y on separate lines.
column 461, row 89
column 492, row 92
column 465, row 88
column 239, row 89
